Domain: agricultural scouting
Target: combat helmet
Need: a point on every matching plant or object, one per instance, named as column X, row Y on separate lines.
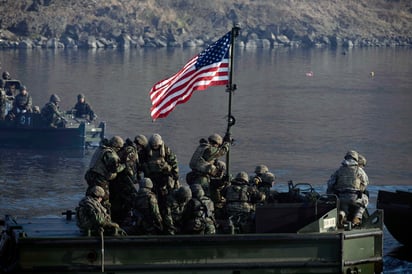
column 260, row 169
column 268, row 177
column 155, row 140
column 197, row 190
column 141, row 140
column 146, row 183
column 116, row 142
column 54, row 98
column 351, row 154
column 81, row 96
column 97, row 192
column 183, row 194
column 242, row 177
column 361, row 160
column 215, row 138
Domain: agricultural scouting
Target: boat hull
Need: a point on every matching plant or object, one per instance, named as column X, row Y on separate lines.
column 56, row 245
column 397, row 207
column 29, row 131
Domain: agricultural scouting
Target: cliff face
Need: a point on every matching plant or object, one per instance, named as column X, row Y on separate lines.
column 179, row 20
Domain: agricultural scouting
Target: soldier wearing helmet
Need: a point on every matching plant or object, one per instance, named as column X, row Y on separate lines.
column 198, row 216
column 51, row 113
column 6, row 75
column 146, row 204
column 240, row 202
column 175, row 204
column 266, row 184
column 91, row 216
column 22, row 103
column 104, row 166
column 83, row 109
column 160, row 164
column 141, row 143
column 203, row 159
column 349, row 183
column 260, row 170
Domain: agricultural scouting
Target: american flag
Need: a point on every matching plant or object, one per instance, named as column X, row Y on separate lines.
column 208, row 68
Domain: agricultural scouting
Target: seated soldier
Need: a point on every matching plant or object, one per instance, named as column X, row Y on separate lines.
column 92, row 217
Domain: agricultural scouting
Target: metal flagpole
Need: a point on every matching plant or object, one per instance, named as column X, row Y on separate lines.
column 231, row 88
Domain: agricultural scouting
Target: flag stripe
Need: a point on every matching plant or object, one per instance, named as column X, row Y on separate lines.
column 209, row 68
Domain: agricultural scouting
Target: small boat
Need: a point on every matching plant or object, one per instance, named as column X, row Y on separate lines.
column 291, row 237
column 28, row 130
column 397, row 207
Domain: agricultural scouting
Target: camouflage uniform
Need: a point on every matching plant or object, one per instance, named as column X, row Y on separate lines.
column 175, row 205
column 104, row 167
column 266, row 184
column 240, row 201
column 51, row 113
column 82, row 109
column 122, row 189
column 204, row 159
column 149, row 220
column 22, row 102
column 92, row 216
column 198, row 216
column 349, row 183
column 161, row 167
column 3, row 101
column 217, row 184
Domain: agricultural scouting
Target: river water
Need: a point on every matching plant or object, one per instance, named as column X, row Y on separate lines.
column 300, row 126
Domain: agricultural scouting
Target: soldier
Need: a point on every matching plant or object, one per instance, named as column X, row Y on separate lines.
column 141, row 143
column 122, row 189
column 82, row 109
column 92, row 217
column 104, row 167
column 240, row 203
column 349, row 183
column 217, row 184
column 257, row 178
column 267, row 181
column 148, row 218
column 198, row 216
column 3, row 102
column 51, row 113
column 161, row 167
column 203, row 159
column 175, row 205
column 22, row 102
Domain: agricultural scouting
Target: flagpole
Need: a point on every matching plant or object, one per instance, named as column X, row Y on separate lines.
column 231, row 88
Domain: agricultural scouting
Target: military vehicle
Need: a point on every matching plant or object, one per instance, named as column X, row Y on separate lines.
column 292, row 236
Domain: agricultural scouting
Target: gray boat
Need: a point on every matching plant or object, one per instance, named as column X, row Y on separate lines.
column 292, row 236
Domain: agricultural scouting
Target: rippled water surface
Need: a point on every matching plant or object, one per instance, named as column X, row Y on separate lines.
column 299, row 126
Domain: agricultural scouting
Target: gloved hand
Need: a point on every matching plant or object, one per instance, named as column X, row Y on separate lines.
column 166, row 168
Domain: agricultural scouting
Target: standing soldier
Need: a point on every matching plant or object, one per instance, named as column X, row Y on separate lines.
column 122, row 189
column 92, row 217
column 3, row 101
column 266, row 184
column 240, row 202
column 161, row 167
column 349, row 183
column 141, row 143
column 104, row 167
column 147, row 210
column 203, row 162
column 199, row 216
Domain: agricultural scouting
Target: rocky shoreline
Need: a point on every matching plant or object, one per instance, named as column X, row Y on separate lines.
column 249, row 39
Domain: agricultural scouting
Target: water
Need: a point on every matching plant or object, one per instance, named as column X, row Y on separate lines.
column 299, row 126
